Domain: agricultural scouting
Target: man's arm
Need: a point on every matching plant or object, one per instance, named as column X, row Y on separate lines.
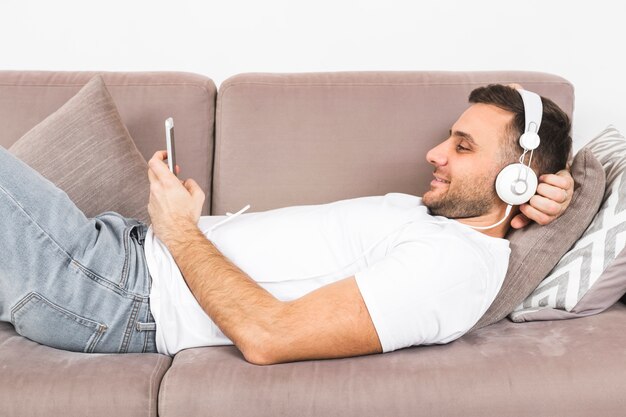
column 329, row 322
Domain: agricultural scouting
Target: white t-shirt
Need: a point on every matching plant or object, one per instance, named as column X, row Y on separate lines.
column 424, row 279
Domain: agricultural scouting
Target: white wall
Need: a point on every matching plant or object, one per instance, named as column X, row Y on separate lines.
column 579, row 41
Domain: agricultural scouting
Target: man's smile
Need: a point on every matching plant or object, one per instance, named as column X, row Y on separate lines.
column 439, row 181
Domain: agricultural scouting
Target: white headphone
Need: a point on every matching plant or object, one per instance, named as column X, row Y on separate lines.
column 517, row 183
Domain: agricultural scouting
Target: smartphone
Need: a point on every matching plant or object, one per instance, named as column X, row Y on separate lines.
column 169, row 139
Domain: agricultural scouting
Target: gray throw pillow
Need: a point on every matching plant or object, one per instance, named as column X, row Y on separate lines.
column 86, row 151
column 536, row 249
column 591, row 277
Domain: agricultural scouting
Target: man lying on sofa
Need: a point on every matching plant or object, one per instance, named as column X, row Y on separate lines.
column 348, row 278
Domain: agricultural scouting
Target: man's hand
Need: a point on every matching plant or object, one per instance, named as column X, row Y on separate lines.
column 172, row 202
column 554, row 194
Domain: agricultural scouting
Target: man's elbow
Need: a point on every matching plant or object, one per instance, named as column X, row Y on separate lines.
column 260, row 351
column 260, row 343
column 259, row 358
column 267, row 347
column 261, row 340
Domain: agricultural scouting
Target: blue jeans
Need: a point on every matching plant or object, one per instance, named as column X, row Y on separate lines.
column 68, row 281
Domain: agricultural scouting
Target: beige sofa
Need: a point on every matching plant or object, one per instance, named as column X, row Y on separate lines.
column 273, row 140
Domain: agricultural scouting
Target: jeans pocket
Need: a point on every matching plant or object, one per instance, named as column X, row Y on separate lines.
column 45, row 322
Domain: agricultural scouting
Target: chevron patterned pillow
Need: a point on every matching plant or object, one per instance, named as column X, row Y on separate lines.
column 591, row 277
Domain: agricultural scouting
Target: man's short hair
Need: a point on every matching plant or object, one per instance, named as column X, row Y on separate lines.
column 556, row 143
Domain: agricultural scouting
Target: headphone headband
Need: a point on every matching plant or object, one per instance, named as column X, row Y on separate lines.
column 533, row 110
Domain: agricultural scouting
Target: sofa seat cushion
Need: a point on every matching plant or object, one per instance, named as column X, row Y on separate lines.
column 37, row 380
column 549, row 368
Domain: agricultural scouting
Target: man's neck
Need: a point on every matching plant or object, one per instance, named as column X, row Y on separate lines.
column 489, row 219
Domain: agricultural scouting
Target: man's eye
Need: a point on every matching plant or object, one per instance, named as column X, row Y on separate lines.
column 460, row 148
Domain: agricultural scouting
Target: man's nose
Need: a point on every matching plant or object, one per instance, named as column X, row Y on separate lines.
column 437, row 155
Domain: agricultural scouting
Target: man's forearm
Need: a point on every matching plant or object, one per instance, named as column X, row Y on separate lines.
column 241, row 308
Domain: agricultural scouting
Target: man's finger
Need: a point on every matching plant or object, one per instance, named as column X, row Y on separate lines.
column 533, row 214
column 191, row 185
column 160, row 155
column 551, row 192
column 194, row 189
column 545, row 205
column 160, row 169
column 563, row 181
column 519, row 221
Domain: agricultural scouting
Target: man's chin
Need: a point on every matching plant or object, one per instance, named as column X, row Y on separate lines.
column 431, row 203
column 440, row 206
column 429, row 199
column 443, row 211
column 454, row 209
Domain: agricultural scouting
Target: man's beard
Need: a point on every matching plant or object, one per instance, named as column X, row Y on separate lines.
column 468, row 198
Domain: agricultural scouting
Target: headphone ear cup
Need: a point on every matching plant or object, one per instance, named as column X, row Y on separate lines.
column 516, row 184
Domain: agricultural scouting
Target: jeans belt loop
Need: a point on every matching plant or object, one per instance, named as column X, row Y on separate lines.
column 146, row 327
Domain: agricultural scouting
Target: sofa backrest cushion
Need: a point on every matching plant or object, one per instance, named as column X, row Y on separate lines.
column 144, row 101
column 295, row 139
column 312, row 138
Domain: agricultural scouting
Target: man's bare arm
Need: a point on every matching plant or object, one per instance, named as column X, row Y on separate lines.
column 329, row 322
